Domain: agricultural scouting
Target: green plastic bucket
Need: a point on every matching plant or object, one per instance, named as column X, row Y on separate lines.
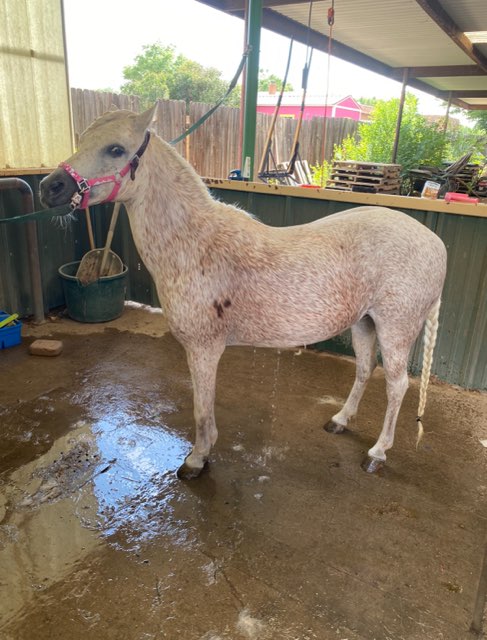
column 99, row 301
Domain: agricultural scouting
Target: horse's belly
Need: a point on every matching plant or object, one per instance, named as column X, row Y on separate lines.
column 289, row 331
column 281, row 341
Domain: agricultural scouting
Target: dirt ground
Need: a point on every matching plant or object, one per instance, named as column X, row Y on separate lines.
column 283, row 538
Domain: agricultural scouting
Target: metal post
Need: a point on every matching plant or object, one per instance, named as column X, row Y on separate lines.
column 399, row 115
column 242, row 94
column 254, row 21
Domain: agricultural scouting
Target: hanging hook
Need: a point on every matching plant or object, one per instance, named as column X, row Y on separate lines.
column 331, row 14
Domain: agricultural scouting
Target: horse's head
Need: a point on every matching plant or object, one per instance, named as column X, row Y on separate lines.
column 107, row 158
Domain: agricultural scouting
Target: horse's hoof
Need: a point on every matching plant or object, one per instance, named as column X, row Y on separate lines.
column 185, row 472
column 333, row 427
column 372, row 465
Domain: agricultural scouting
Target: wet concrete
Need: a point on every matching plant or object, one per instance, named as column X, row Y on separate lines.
column 284, row 538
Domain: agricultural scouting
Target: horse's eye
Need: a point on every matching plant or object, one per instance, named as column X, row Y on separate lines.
column 116, row 151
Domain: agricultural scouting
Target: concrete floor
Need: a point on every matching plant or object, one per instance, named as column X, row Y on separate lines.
column 284, row 538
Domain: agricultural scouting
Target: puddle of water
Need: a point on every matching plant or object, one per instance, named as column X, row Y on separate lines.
column 112, row 481
column 136, row 491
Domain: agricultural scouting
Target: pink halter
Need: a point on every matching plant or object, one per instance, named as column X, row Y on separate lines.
column 80, row 199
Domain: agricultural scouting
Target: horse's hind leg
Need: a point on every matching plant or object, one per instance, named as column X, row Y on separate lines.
column 203, row 364
column 395, row 360
column 364, row 342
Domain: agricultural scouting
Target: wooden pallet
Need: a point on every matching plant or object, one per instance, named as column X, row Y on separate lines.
column 369, row 188
column 388, row 184
column 366, row 168
column 359, row 178
column 373, row 177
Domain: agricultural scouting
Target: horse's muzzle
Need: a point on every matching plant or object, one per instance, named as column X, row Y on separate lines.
column 57, row 188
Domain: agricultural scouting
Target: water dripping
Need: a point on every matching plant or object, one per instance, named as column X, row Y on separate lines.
column 273, row 397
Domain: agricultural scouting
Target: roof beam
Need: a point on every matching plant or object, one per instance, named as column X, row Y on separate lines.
column 436, row 12
column 469, row 93
column 471, row 107
column 451, row 71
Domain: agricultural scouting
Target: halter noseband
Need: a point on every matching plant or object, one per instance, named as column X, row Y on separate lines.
column 80, row 199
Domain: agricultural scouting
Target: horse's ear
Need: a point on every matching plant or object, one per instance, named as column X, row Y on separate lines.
column 113, row 107
column 145, row 119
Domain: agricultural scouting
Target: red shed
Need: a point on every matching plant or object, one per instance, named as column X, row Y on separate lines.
column 316, row 106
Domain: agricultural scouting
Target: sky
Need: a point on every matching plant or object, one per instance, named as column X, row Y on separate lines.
column 104, row 36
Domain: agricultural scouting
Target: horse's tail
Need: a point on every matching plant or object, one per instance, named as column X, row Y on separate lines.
column 429, row 341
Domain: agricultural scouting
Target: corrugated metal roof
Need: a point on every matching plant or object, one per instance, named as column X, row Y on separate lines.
column 389, row 36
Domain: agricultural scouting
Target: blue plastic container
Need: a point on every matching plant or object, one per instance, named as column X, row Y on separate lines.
column 9, row 335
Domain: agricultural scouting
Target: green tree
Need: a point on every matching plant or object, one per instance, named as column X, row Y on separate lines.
column 419, row 142
column 480, row 119
column 462, row 140
column 194, row 83
column 267, row 78
column 148, row 77
column 369, row 101
column 158, row 73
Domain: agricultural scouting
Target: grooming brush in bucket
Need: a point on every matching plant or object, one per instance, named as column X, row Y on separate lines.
column 99, row 263
column 94, row 289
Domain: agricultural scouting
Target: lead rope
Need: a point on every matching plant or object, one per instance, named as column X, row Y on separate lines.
column 205, row 116
column 62, row 210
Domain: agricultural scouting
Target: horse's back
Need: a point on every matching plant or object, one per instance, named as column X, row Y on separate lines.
column 368, row 218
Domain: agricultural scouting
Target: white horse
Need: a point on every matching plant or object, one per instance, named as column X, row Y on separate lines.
column 224, row 278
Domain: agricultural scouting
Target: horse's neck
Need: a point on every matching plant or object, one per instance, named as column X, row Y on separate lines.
column 169, row 206
column 169, row 183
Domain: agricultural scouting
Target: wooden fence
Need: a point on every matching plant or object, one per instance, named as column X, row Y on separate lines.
column 213, row 149
column 88, row 105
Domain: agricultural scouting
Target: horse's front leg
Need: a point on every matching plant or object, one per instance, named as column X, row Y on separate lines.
column 203, row 364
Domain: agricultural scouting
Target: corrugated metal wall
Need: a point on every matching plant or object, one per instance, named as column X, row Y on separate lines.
column 461, row 354
column 35, row 128
column 57, row 245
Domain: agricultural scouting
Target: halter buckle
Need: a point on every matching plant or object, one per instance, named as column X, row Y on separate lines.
column 76, row 199
column 83, row 186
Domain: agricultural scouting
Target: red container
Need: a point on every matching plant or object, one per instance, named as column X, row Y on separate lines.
column 450, row 196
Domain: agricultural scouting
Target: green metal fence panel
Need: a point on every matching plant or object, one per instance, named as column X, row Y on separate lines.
column 462, row 346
